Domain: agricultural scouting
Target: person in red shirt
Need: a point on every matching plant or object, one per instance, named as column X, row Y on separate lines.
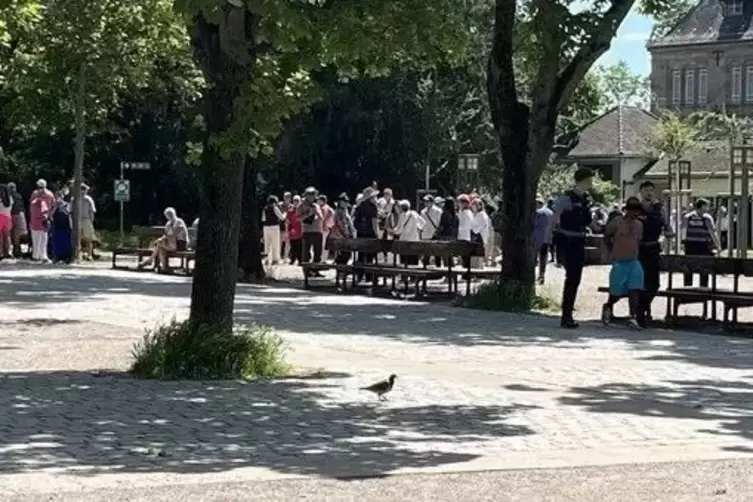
column 294, row 228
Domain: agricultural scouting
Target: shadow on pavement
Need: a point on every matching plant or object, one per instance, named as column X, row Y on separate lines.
column 300, row 311
column 294, row 426
column 728, row 403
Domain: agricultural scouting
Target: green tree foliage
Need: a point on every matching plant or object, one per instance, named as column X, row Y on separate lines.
column 74, row 60
column 239, row 45
column 563, row 44
column 620, row 86
column 673, row 136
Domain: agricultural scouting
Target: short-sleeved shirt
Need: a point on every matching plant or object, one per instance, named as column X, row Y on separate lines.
column 89, row 209
column 177, row 230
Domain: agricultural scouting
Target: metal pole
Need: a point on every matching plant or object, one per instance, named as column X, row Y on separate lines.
column 427, row 175
column 122, row 208
column 678, row 206
column 731, row 234
column 743, row 220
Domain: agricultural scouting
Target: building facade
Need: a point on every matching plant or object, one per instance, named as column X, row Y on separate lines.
column 706, row 61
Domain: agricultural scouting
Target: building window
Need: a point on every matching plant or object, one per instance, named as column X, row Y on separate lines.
column 676, row 89
column 734, row 8
column 736, row 85
column 689, row 87
column 749, row 84
column 703, row 86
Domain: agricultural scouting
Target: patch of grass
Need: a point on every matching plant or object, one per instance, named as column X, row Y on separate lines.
column 109, row 240
column 178, row 351
column 510, row 296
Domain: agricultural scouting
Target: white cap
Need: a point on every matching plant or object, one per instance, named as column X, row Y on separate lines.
column 41, row 183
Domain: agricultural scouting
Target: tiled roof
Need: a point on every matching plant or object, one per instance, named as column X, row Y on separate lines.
column 622, row 131
column 706, row 157
column 706, row 23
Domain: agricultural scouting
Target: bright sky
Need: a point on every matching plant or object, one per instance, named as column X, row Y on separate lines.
column 630, row 44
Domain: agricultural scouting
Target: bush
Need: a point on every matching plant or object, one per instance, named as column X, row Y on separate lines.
column 180, row 351
column 510, row 296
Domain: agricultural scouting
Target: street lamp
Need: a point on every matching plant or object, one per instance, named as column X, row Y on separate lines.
column 742, row 159
column 467, row 170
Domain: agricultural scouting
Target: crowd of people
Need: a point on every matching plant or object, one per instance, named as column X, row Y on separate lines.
column 45, row 224
column 296, row 229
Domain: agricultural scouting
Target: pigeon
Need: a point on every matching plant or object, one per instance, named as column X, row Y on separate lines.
column 382, row 388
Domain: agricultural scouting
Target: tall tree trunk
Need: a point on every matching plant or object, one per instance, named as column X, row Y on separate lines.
column 250, row 251
column 222, row 51
column 526, row 128
column 78, row 157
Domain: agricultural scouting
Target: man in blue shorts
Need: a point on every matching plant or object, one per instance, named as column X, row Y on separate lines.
column 623, row 237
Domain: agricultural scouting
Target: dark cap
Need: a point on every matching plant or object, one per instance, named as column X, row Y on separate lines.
column 583, row 173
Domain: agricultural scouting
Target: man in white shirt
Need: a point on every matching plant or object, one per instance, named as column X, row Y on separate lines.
column 431, row 215
column 465, row 218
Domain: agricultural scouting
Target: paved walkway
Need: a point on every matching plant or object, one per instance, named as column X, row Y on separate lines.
column 476, row 390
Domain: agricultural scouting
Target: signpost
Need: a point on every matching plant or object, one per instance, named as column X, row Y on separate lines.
column 122, row 187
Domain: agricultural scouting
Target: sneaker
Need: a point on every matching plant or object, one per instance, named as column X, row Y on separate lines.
column 541, row 281
column 633, row 324
column 606, row 314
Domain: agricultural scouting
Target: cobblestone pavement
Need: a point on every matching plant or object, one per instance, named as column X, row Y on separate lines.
column 476, row 390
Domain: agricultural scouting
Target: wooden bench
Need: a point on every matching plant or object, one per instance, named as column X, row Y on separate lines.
column 342, row 270
column 447, row 250
column 732, row 299
column 146, row 237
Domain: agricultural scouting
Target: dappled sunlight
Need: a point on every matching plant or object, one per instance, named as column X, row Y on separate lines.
column 115, row 423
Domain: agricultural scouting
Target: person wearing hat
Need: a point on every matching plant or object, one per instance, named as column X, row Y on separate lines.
column 542, row 236
column 311, row 218
column 41, row 203
column 432, row 215
column 572, row 218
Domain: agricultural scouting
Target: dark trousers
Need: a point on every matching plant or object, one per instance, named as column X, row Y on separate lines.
column 315, row 240
column 697, row 249
column 559, row 242
column 365, row 258
column 542, row 258
column 573, row 252
column 296, row 251
column 724, row 239
column 650, row 257
column 342, row 258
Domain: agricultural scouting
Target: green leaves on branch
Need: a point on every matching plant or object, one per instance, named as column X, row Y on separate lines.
column 116, row 44
column 673, row 136
column 291, row 40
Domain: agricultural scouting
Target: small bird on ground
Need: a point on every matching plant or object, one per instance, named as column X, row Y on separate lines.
column 382, row 388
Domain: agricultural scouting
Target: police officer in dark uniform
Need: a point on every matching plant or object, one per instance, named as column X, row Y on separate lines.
column 655, row 222
column 572, row 218
column 700, row 237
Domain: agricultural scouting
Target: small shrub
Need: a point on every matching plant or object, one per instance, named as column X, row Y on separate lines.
column 179, row 351
column 510, row 296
